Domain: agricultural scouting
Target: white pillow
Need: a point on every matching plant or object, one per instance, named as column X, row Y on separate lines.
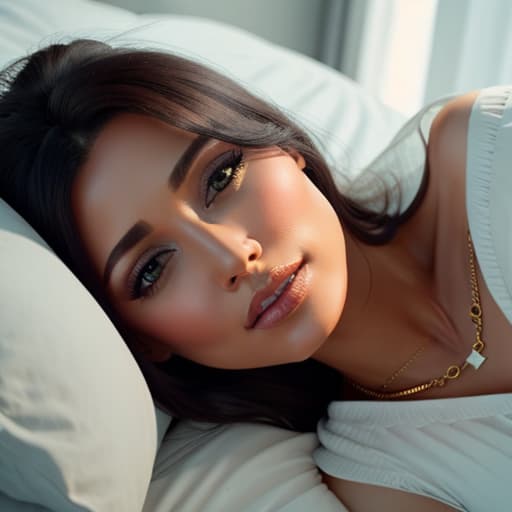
column 238, row 468
column 78, row 429
column 351, row 125
column 88, row 428
column 77, row 426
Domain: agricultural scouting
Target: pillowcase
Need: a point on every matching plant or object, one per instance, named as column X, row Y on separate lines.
column 77, row 424
column 351, row 126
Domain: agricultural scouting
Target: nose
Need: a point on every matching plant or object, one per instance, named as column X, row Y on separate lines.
column 226, row 249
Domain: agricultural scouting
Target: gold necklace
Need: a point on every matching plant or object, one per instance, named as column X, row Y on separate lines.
column 402, row 368
column 454, row 371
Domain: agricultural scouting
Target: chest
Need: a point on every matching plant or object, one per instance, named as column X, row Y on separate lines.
column 439, row 231
column 438, row 234
column 453, row 288
column 435, row 241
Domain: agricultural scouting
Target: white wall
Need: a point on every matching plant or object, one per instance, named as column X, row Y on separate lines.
column 295, row 24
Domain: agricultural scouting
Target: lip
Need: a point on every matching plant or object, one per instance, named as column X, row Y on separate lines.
column 278, row 275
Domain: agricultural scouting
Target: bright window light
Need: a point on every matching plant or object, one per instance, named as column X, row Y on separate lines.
column 398, row 36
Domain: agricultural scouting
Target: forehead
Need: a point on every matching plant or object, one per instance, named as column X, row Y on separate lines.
column 129, row 162
column 129, row 144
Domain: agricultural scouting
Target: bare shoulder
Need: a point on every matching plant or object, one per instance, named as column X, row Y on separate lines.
column 447, row 152
column 447, row 140
column 359, row 497
column 447, row 148
column 446, row 165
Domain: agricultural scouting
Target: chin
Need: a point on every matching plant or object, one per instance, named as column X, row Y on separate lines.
column 305, row 342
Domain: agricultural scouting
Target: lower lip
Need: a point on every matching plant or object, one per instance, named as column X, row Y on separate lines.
column 292, row 297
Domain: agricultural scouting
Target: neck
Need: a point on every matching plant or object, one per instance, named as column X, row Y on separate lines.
column 390, row 312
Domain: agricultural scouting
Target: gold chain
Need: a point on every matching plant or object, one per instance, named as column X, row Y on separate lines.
column 404, row 367
column 454, row 371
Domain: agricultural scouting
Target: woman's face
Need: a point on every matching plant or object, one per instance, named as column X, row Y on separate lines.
column 229, row 257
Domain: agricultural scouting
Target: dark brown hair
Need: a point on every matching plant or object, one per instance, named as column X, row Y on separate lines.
column 53, row 104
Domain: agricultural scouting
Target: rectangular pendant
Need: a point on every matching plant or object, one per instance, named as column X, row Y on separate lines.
column 475, row 359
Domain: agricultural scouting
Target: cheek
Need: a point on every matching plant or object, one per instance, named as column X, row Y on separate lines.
column 283, row 199
column 183, row 319
column 291, row 208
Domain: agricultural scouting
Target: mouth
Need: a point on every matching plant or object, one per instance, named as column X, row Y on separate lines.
column 287, row 289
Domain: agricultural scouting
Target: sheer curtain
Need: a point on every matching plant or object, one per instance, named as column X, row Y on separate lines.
column 472, row 46
column 409, row 52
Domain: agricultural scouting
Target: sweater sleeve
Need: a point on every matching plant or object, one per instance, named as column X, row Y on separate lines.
column 441, row 448
column 488, row 189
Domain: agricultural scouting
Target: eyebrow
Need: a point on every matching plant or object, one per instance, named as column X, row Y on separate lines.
column 142, row 229
column 182, row 166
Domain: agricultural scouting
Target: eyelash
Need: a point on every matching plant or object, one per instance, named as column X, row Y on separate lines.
column 135, row 288
column 233, row 161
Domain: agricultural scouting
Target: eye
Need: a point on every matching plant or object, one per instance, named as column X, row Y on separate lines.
column 146, row 274
column 225, row 169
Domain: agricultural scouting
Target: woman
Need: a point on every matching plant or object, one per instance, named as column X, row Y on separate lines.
column 210, row 229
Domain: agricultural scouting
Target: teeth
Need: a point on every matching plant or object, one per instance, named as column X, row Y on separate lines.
column 270, row 300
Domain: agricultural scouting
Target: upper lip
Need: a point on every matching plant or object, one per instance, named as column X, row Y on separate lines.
column 277, row 276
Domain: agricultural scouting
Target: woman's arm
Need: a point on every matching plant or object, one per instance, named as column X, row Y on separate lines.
column 359, row 497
